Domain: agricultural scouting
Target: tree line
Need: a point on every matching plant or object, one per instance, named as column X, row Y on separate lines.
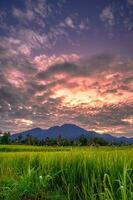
column 5, row 138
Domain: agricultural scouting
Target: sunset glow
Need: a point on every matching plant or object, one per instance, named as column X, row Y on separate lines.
column 63, row 62
column 23, row 121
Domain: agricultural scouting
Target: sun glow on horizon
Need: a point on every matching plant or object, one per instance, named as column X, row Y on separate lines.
column 90, row 97
column 24, row 121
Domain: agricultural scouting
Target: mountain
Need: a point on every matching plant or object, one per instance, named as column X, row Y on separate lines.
column 70, row 132
column 36, row 132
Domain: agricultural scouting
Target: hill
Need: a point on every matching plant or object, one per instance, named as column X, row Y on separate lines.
column 70, row 132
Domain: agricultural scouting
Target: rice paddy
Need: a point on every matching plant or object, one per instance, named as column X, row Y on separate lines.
column 66, row 173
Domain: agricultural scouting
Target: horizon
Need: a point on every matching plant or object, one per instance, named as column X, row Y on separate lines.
column 57, row 125
column 67, row 61
column 88, row 130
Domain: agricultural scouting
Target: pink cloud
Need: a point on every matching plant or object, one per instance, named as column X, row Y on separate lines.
column 43, row 62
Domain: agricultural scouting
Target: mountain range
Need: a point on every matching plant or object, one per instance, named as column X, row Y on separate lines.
column 70, row 132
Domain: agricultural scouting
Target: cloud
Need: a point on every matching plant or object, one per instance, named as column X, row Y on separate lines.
column 94, row 92
column 44, row 61
column 28, row 15
column 35, row 29
column 84, row 24
column 130, row 2
column 25, row 33
column 69, row 22
column 107, row 16
column 36, row 12
column 128, row 23
column 3, row 16
column 117, row 15
column 25, row 41
column 96, row 89
column 39, row 88
column 23, row 121
column 75, row 24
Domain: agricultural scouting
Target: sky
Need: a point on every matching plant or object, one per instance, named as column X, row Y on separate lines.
column 66, row 61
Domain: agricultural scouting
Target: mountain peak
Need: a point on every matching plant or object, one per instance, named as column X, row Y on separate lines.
column 53, row 128
column 70, row 132
column 37, row 129
column 70, row 125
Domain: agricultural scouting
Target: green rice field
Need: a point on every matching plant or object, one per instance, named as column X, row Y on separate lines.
column 66, row 173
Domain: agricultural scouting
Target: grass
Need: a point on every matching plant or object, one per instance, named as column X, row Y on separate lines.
column 65, row 173
column 28, row 148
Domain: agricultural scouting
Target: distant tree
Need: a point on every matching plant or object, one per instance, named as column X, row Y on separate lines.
column 1, row 133
column 18, row 139
column 66, row 142
column 36, row 141
column 74, row 143
column 60, row 141
column 5, row 139
column 29, row 139
column 52, row 142
column 47, row 141
column 83, row 140
column 97, row 142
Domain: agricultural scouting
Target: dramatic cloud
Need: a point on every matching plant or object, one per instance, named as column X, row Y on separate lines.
column 96, row 92
column 44, row 61
column 48, row 75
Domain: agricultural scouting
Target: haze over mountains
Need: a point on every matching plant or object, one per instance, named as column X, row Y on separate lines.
column 70, row 132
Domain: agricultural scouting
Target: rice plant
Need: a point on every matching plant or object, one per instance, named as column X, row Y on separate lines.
column 66, row 174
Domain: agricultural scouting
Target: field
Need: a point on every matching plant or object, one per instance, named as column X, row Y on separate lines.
column 66, row 173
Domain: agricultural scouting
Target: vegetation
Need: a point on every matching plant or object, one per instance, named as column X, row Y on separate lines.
column 5, row 138
column 66, row 173
column 30, row 140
